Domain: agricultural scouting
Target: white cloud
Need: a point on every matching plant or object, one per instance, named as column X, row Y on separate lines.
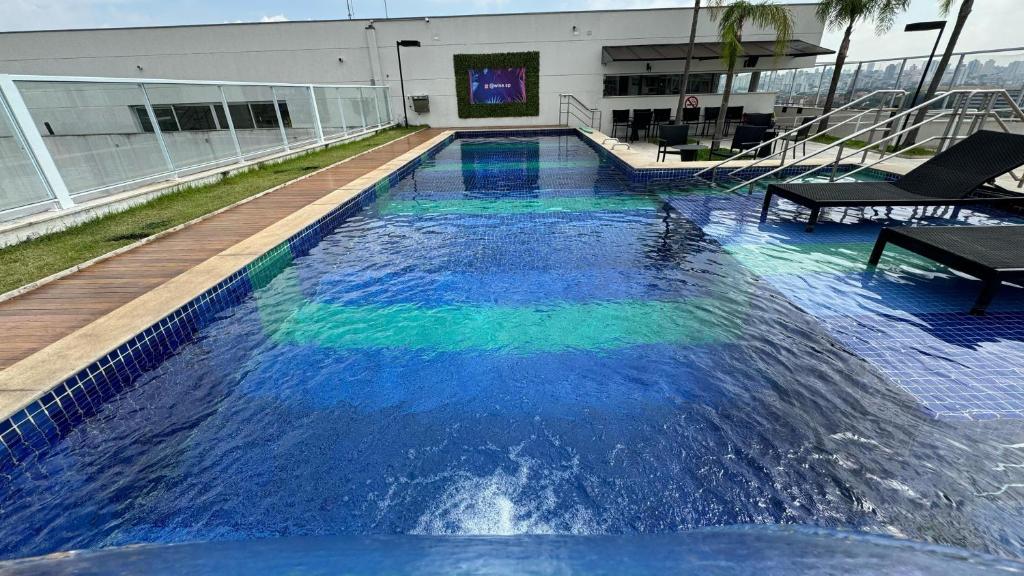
column 274, row 18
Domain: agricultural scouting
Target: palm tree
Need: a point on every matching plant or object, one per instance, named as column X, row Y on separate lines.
column 686, row 67
column 840, row 14
column 945, row 6
column 731, row 19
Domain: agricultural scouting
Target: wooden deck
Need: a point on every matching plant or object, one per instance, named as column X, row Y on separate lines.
column 36, row 319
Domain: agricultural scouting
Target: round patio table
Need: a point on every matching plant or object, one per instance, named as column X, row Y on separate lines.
column 688, row 152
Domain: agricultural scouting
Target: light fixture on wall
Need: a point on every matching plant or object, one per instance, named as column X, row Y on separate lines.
column 341, row 60
column 139, row 66
column 575, row 31
column 649, row 67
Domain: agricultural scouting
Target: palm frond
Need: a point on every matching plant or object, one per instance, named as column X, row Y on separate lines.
column 885, row 12
column 731, row 18
column 946, row 6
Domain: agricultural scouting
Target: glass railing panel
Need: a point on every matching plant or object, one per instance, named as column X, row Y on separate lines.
column 192, row 123
column 296, row 113
column 328, row 106
column 369, row 107
column 255, row 118
column 93, row 132
column 352, row 107
column 20, row 182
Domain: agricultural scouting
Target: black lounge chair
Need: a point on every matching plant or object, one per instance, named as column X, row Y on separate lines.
column 670, row 135
column 990, row 253
column 947, row 179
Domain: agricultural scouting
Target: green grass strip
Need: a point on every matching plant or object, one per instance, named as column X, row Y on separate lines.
column 520, row 206
column 530, row 329
column 41, row 257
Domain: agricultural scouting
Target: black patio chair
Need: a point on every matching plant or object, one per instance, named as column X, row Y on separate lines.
column 661, row 116
column 671, row 135
column 953, row 177
column 710, row 117
column 801, row 135
column 733, row 115
column 641, row 122
column 759, row 119
column 691, row 116
column 745, row 138
column 620, row 119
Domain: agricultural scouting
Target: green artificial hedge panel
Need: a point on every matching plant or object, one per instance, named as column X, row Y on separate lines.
column 528, row 60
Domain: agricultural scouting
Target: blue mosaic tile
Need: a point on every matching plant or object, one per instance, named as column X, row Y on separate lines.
column 909, row 318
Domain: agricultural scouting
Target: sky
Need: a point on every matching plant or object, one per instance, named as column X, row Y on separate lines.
column 993, row 23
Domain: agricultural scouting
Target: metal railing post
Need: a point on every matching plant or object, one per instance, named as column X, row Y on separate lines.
column 316, row 117
column 362, row 110
column 40, row 154
column 280, row 118
column 899, row 75
column 376, row 105
column 156, row 130
column 231, row 123
column 341, row 109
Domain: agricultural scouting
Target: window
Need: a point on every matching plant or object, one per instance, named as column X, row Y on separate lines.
column 264, row 115
column 241, row 116
column 199, row 117
column 656, row 84
column 194, row 117
column 164, row 118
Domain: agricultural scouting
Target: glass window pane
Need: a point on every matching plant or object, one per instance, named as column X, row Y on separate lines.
column 94, row 133
column 256, row 134
column 296, row 113
column 195, row 140
column 241, row 116
column 199, row 117
column 20, row 184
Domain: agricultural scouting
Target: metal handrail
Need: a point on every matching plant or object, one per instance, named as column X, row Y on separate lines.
column 565, row 104
column 809, row 138
column 893, row 93
column 965, row 96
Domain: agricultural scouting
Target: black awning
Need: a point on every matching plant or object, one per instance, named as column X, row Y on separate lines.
column 705, row 51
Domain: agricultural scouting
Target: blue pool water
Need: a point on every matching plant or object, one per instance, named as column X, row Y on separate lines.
column 515, row 339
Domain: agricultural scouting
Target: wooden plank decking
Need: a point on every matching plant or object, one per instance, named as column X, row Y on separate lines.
column 36, row 319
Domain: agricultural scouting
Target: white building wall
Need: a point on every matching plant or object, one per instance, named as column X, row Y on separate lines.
column 301, row 52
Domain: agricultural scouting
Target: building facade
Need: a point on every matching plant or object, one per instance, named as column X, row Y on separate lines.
column 609, row 60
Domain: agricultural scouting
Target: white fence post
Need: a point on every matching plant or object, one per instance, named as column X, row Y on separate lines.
column 231, row 123
column 376, row 104
column 156, row 130
column 316, row 116
column 280, row 120
column 24, row 123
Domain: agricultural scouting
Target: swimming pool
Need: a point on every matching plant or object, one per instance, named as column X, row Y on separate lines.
column 515, row 338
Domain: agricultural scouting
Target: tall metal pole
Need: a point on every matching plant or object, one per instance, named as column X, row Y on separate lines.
column 911, row 136
column 401, row 82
